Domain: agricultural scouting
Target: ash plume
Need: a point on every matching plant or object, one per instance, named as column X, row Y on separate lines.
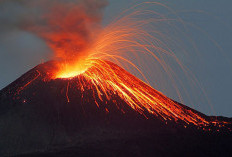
column 37, row 27
column 66, row 25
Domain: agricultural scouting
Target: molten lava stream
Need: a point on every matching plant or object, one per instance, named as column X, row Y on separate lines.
column 106, row 77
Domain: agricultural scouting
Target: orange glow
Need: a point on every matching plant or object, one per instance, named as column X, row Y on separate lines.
column 107, row 80
column 125, row 35
column 28, row 83
column 69, row 70
column 88, row 55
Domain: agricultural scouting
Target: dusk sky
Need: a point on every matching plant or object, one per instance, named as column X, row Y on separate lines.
column 208, row 22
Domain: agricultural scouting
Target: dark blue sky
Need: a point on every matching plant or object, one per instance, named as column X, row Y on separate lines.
column 209, row 23
column 21, row 50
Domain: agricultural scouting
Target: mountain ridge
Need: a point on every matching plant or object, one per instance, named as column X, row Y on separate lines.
column 40, row 117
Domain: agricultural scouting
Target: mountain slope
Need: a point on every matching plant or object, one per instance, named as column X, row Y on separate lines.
column 100, row 112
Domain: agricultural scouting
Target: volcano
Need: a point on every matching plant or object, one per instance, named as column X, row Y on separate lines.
column 103, row 111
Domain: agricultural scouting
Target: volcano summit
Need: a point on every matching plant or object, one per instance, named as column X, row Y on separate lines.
column 102, row 111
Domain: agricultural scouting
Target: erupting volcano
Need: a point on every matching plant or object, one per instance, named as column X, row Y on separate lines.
column 102, row 103
column 108, row 82
column 84, row 103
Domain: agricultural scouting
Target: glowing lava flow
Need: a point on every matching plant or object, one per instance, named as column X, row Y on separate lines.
column 69, row 70
column 108, row 79
column 125, row 36
column 27, row 84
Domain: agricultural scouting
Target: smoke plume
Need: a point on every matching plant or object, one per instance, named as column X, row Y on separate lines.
column 68, row 26
column 30, row 29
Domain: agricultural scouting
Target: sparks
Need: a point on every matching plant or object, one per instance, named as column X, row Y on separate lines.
column 108, row 80
column 125, row 36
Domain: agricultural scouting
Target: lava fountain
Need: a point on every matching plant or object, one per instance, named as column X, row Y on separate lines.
column 84, row 50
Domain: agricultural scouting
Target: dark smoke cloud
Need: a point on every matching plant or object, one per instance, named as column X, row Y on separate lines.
column 26, row 27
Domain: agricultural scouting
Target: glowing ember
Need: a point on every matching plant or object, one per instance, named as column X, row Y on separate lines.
column 85, row 57
column 108, row 80
column 70, row 70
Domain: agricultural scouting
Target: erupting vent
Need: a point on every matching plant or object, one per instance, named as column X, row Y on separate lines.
column 106, row 80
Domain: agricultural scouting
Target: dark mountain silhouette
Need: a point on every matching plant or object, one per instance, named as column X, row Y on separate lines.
column 38, row 118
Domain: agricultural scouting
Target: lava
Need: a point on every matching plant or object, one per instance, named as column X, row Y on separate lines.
column 69, row 69
column 27, row 84
column 109, row 80
column 84, row 55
